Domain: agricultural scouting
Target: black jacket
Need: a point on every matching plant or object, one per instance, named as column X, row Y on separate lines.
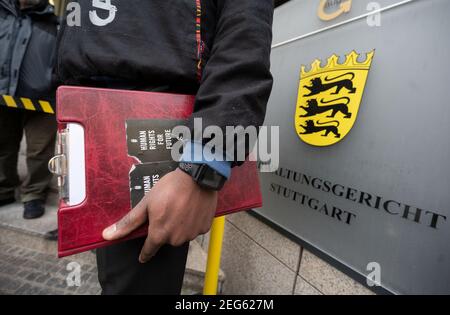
column 156, row 44
column 27, row 50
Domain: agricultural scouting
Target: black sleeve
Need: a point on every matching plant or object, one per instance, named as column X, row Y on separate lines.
column 236, row 80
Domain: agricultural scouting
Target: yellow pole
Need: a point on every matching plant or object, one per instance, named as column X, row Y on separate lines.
column 214, row 252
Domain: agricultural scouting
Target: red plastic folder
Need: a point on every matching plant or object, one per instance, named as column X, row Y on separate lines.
column 103, row 113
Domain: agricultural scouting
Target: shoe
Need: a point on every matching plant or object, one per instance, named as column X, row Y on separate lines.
column 8, row 201
column 33, row 209
column 51, row 235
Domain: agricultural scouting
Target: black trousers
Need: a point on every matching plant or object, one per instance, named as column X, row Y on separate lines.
column 120, row 272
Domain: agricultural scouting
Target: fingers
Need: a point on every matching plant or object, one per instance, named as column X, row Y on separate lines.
column 130, row 222
column 151, row 246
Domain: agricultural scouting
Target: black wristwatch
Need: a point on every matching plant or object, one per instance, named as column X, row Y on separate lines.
column 203, row 175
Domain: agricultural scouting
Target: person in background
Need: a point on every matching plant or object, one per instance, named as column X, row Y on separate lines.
column 27, row 51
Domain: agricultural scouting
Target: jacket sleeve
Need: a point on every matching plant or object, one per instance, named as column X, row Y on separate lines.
column 236, row 80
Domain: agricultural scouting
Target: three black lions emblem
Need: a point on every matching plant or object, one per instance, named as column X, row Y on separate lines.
column 329, row 97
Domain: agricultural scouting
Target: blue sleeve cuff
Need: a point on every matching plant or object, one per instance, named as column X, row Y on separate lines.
column 193, row 153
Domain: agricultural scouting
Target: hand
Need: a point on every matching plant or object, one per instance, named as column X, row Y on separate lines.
column 177, row 209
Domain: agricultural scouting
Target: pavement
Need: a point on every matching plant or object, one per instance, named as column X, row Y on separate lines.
column 11, row 217
column 27, row 271
column 28, row 262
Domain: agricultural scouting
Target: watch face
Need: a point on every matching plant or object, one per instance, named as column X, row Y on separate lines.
column 203, row 175
column 211, row 178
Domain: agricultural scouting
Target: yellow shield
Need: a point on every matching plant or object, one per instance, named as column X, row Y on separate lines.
column 329, row 98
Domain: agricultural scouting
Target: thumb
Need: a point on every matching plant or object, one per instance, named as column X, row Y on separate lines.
column 130, row 222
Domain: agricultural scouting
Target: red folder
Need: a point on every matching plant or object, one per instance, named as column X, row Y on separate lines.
column 102, row 113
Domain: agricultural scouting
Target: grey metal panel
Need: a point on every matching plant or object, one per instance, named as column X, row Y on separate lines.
column 398, row 149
